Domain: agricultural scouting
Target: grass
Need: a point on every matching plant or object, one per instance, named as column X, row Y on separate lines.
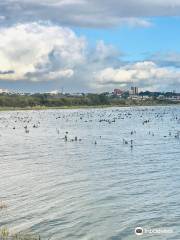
column 5, row 232
column 47, row 108
column 5, row 235
column 126, row 104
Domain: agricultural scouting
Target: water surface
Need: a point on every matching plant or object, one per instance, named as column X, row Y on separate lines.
column 82, row 190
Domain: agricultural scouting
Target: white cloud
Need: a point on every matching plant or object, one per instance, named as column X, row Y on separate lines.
column 66, row 73
column 37, row 51
column 104, row 51
column 166, row 58
column 142, row 73
column 89, row 13
column 135, row 22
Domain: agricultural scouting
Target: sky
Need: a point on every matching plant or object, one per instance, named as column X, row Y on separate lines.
column 89, row 45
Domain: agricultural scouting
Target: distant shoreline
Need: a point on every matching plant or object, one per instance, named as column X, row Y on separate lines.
column 40, row 108
column 46, row 101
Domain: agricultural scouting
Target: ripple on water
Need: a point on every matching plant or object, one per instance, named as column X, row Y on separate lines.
column 81, row 190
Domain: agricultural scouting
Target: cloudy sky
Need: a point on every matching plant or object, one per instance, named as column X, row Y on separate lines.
column 89, row 45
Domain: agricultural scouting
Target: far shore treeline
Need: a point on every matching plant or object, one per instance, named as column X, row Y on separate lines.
column 67, row 100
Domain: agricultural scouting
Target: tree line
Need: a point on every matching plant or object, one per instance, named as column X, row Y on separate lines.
column 47, row 100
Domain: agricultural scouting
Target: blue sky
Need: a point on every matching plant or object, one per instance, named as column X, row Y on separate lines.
column 139, row 43
column 88, row 46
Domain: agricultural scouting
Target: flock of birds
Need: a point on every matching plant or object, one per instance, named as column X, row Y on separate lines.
column 105, row 117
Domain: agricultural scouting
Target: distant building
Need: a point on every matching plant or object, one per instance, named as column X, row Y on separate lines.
column 54, row 92
column 134, row 91
column 4, row 91
column 118, row 92
column 76, row 94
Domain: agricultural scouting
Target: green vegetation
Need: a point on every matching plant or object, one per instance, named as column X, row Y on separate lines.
column 43, row 101
column 5, row 235
column 47, row 100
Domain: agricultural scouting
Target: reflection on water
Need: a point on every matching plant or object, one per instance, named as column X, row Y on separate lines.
column 97, row 183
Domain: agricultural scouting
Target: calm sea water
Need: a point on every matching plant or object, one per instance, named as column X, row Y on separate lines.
column 82, row 190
